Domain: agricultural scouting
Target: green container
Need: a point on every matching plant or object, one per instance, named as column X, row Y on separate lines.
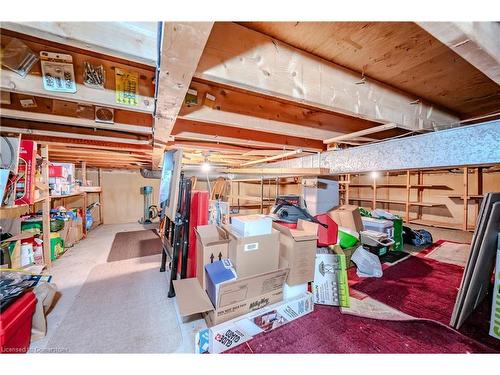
column 347, row 238
column 398, row 234
column 56, row 245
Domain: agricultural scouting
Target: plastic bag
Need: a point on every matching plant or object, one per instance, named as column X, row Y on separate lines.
column 368, row 264
column 378, row 213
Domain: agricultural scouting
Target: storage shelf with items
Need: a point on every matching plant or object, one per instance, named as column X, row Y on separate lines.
column 414, row 187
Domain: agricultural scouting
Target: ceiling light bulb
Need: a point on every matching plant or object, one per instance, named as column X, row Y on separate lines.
column 205, row 166
column 374, row 175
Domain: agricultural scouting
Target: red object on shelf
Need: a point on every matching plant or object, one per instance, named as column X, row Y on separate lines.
column 327, row 236
column 15, row 324
column 55, row 171
column 25, row 186
column 198, row 215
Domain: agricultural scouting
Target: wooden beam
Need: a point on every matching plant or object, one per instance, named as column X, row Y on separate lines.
column 284, row 155
column 134, row 41
column 87, row 144
column 361, row 133
column 240, row 57
column 201, row 131
column 182, row 46
column 73, row 121
column 281, row 171
column 476, row 42
column 208, row 146
column 254, row 112
column 48, row 133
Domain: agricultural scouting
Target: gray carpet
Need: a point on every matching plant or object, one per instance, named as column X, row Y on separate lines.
column 121, row 308
column 135, row 244
column 450, row 252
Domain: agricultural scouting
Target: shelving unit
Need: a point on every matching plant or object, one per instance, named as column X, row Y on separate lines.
column 466, row 196
column 47, row 200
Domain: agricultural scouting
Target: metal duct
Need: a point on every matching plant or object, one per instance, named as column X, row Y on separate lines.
column 148, row 173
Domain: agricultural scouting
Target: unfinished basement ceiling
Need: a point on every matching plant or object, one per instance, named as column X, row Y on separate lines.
column 400, row 54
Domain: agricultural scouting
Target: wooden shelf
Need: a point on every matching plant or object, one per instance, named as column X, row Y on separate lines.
column 439, row 224
column 67, row 196
column 90, row 189
column 421, row 204
column 460, row 196
column 249, row 198
column 420, row 186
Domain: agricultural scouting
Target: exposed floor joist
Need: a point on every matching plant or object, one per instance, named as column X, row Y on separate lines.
column 361, row 133
column 241, row 109
column 182, row 46
column 134, row 41
column 198, row 130
column 73, row 121
column 240, row 57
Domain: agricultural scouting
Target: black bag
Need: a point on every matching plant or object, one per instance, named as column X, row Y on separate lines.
column 418, row 237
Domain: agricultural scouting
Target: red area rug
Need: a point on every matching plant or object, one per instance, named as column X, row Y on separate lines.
column 426, row 289
column 327, row 330
column 418, row 286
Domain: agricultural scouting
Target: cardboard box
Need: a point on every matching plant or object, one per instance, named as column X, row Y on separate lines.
column 252, row 225
column 298, row 251
column 236, row 297
column 330, row 285
column 253, row 255
column 225, row 336
column 212, row 244
column 495, row 305
column 218, row 273
column 320, row 194
column 347, row 216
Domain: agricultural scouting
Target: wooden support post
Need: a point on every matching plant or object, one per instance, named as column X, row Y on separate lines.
column 374, row 198
column 262, row 195
column 407, row 210
column 84, row 173
column 46, row 208
column 101, row 204
column 479, row 192
column 420, row 181
column 277, row 188
column 347, row 189
column 466, row 198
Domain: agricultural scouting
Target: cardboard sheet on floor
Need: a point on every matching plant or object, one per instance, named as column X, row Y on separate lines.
column 482, row 222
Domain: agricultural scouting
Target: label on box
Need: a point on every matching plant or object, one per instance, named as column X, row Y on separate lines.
column 252, row 246
column 235, row 332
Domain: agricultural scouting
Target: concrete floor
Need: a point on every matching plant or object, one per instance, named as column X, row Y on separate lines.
column 70, row 272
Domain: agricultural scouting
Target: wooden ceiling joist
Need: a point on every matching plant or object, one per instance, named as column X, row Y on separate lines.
column 243, row 58
column 356, row 135
column 197, row 130
column 182, row 46
column 132, row 41
column 285, row 155
column 254, row 112
column 31, row 84
column 48, row 133
column 73, row 121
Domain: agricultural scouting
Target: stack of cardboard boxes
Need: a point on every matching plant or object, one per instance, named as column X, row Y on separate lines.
column 253, row 275
column 243, row 269
column 62, row 178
